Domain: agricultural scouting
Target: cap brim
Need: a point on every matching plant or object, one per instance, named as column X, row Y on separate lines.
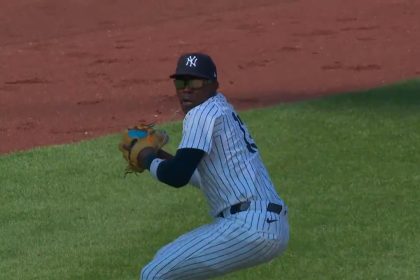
column 182, row 74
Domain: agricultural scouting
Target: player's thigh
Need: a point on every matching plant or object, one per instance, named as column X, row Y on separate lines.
column 178, row 250
column 226, row 253
column 214, row 249
column 242, row 247
column 211, row 251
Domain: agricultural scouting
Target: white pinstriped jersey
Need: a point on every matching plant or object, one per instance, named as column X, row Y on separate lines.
column 232, row 170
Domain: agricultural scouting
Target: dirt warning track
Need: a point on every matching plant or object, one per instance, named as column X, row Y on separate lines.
column 72, row 71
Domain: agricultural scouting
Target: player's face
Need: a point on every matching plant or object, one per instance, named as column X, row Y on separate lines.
column 193, row 91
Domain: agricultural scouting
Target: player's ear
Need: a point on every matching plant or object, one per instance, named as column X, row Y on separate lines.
column 212, row 88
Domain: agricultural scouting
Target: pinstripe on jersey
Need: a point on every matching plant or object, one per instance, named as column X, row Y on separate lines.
column 232, row 170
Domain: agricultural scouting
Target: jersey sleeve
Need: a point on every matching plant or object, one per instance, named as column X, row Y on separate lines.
column 198, row 128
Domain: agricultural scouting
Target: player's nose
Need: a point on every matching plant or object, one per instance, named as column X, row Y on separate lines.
column 186, row 94
column 187, row 88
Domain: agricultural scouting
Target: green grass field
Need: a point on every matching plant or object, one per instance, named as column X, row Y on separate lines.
column 348, row 166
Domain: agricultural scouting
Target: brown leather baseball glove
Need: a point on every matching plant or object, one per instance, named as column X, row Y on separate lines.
column 135, row 139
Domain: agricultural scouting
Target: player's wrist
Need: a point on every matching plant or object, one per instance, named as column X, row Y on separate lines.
column 164, row 155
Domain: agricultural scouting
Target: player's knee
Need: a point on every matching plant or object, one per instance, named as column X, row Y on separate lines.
column 146, row 274
column 149, row 272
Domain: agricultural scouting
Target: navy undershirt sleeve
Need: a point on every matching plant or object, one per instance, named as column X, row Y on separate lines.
column 177, row 172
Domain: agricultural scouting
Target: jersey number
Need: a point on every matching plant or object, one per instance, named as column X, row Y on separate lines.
column 252, row 148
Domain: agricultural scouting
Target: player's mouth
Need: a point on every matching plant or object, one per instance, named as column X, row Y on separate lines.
column 186, row 102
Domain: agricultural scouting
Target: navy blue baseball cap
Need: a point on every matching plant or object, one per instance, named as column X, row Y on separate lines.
column 197, row 65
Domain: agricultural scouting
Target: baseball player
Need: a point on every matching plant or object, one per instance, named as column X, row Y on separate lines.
column 218, row 155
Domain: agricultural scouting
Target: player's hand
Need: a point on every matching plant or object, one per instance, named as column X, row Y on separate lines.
column 135, row 140
column 144, row 156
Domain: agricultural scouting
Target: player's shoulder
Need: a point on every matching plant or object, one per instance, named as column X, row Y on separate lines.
column 211, row 108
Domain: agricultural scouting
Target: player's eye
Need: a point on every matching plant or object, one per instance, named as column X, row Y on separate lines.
column 196, row 84
column 180, row 84
column 193, row 83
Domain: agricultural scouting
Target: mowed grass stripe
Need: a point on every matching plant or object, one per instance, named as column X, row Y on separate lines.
column 347, row 165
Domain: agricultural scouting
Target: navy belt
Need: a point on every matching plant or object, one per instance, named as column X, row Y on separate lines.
column 243, row 206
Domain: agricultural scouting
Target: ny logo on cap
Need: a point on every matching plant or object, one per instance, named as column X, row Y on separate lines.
column 191, row 61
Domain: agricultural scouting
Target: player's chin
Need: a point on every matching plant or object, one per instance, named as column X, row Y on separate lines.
column 186, row 106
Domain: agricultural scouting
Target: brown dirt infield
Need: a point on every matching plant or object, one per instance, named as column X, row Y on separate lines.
column 72, row 70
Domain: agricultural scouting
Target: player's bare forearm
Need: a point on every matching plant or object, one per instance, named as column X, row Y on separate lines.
column 164, row 155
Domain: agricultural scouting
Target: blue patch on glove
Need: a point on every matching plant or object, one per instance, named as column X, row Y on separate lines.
column 136, row 133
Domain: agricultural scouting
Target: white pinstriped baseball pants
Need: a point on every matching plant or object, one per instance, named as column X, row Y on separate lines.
column 236, row 241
